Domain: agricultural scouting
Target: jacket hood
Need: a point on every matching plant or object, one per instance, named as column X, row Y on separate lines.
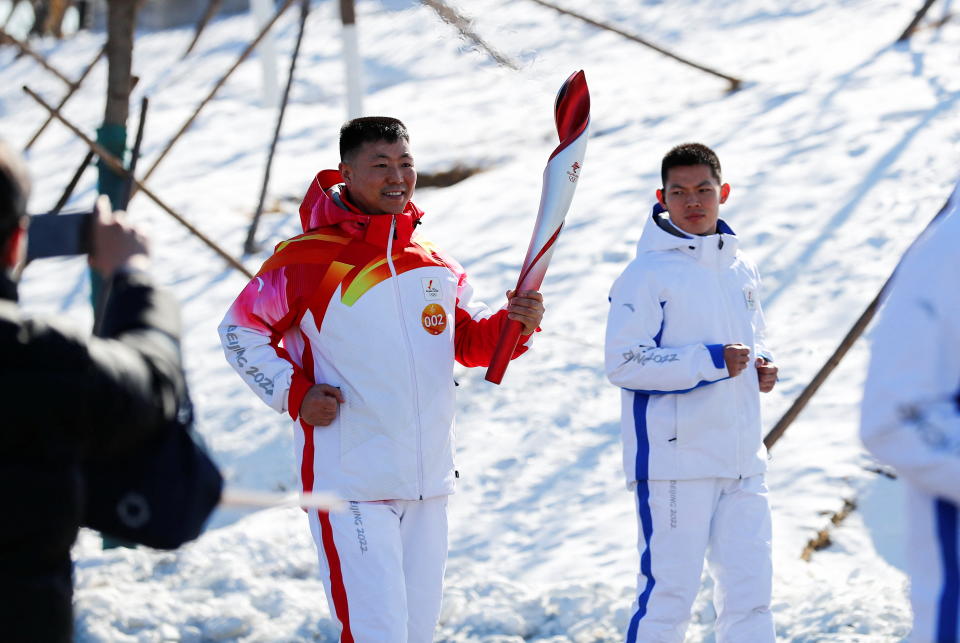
column 659, row 233
column 325, row 205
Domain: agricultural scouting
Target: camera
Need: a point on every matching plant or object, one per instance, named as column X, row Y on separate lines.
column 58, row 235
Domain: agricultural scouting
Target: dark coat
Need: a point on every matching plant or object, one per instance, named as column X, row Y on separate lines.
column 67, row 398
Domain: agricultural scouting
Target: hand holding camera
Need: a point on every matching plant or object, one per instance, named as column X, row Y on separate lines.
column 115, row 243
column 111, row 241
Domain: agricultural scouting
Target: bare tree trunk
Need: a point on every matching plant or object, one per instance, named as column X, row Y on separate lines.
column 83, row 14
column 53, row 25
column 121, row 18
column 39, row 17
column 112, row 134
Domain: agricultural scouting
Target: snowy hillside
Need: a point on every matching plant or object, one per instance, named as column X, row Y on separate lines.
column 840, row 147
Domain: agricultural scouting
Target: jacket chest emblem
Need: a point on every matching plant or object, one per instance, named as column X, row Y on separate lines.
column 750, row 298
column 432, row 291
column 434, row 319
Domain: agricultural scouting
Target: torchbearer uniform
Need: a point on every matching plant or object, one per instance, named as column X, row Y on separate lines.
column 910, row 418
column 693, row 448
column 361, row 303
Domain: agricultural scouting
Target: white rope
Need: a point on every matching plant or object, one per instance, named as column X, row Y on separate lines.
column 251, row 498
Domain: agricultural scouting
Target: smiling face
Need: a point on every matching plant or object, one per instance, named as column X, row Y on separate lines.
column 692, row 195
column 380, row 176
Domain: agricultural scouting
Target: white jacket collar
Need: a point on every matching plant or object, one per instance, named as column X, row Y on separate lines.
column 659, row 234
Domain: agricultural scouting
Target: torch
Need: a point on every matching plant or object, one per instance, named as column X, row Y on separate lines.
column 560, row 176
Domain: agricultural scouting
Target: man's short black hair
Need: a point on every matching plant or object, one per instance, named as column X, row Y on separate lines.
column 369, row 129
column 14, row 190
column 687, row 154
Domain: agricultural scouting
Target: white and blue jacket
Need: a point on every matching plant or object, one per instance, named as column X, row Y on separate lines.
column 910, row 416
column 671, row 312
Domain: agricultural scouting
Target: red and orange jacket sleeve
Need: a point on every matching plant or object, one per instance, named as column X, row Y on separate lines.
column 477, row 329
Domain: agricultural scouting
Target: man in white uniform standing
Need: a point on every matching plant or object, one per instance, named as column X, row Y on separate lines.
column 685, row 343
column 910, row 417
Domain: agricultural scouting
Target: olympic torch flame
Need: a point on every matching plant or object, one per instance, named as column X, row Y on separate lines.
column 560, row 177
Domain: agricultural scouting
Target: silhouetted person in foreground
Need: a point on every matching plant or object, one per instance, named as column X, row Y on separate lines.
column 67, row 399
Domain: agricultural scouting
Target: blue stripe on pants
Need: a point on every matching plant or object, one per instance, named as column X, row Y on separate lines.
column 643, row 506
column 947, row 530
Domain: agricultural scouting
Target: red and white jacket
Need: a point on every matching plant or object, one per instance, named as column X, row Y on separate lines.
column 360, row 303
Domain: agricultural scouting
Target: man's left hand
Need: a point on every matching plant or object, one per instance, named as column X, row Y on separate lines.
column 525, row 307
column 766, row 375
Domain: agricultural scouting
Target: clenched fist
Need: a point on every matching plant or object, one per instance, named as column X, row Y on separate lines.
column 736, row 356
column 766, row 375
column 320, row 404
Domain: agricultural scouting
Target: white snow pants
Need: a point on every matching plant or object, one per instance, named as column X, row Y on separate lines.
column 680, row 522
column 382, row 567
column 933, row 542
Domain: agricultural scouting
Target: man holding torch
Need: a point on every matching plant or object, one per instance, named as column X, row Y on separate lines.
column 352, row 328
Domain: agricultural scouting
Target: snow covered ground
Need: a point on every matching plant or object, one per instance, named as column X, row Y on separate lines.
column 840, row 147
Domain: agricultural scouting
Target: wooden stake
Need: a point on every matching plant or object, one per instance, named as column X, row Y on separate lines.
column 25, row 50
column 834, row 360
column 449, row 15
column 117, row 167
column 72, row 185
column 250, row 246
column 916, row 21
column 735, row 83
column 74, row 86
column 135, row 152
column 213, row 92
column 213, row 6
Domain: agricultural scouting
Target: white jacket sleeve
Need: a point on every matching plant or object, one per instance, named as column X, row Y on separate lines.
column 910, row 417
column 635, row 359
